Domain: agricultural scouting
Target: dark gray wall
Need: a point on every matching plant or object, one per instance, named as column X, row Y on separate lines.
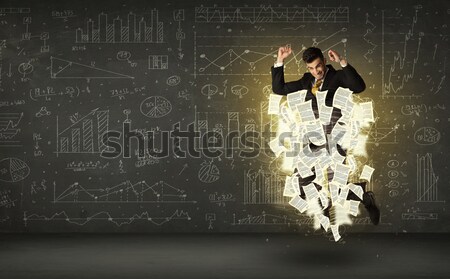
column 70, row 71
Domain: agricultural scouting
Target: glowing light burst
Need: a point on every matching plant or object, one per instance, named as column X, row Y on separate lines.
column 329, row 143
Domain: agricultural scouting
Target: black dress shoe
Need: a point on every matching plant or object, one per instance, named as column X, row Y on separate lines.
column 371, row 206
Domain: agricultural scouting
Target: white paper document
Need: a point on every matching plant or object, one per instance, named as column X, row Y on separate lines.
column 325, row 114
column 366, row 173
column 274, row 103
column 321, row 97
column 296, row 98
column 276, row 147
column 324, row 221
column 299, row 203
column 303, row 169
column 306, row 112
column 341, row 173
column 353, row 210
column 340, row 97
column 343, row 195
column 315, row 133
column 358, row 190
column 367, row 111
column 335, row 231
column 311, row 191
column 291, row 186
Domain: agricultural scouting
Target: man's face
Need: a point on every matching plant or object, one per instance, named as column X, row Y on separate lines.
column 317, row 68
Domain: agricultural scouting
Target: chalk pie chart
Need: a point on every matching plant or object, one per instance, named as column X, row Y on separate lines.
column 208, row 173
column 13, row 170
column 156, row 107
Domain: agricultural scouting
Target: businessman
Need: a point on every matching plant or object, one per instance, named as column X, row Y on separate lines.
column 323, row 77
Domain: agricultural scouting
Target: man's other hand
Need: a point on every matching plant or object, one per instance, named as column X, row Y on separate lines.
column 283, row 52
column 335, row 57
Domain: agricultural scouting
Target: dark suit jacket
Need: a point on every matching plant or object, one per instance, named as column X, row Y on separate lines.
column 346, row 78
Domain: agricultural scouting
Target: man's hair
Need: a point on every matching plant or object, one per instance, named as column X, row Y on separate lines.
column 311, row 54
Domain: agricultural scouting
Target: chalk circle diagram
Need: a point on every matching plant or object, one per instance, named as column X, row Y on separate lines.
column 25, row 68
column 123, row 55
column 427, row 136
column 156, row 107
column 13, row 170
column 208, row 172
column 209, row 90
column 173, row 80
column 239, row 90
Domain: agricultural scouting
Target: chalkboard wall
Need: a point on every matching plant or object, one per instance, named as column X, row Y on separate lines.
column 143, row 72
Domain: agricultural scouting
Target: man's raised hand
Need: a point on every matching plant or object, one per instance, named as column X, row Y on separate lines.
column 283, row 52
column 334, row 56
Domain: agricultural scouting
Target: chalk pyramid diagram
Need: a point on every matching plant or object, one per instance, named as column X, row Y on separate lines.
column 61, row 68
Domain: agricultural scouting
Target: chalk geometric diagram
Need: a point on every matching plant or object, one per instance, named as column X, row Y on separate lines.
column 13, row 170
column 156, row 107
column 208, row 172
column 8, row 129
column 419, row 216
column 263, row 187
column 85, row 133
column 383, row 135
column 427, row 180
column 106, row 216
column 158, row 62
column 61, row 68
column 125, row 192
column 269, row 14
column 265, row 219
column 133, row 29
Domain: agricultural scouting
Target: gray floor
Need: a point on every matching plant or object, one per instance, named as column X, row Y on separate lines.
column 224, row 256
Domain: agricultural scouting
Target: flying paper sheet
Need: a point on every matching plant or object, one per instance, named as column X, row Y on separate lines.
column 299, row 203
column 288, row 117
column 320, row 174
column 341, row 173
column 338, row 133
column 334, row 189
column 358, row 190
column 324, row 221
column 310, row 191
column 315, row 133
column 291, row 186
column 366, row 173
column 335, row 231
column 353, row 210
column 306, row 112
column 340, row 97
column 323, row 195
column 351, row 162
column 367, row 111
column 276, row 147
column 325, row 114
column 321, row 97
column 274, row 103
column 296, row 98
column 303, row 169
column 343, row 195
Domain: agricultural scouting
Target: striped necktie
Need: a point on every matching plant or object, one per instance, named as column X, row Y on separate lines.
column 316, row 86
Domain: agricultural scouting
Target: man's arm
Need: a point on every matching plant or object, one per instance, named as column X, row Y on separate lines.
column 352, row 80
column 279, row 86
column 350, row 77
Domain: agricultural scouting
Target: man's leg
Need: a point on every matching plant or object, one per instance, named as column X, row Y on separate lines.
column 368, row 201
